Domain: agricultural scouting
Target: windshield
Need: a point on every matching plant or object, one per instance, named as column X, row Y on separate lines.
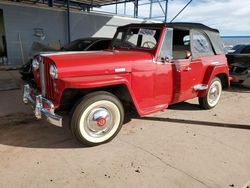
column 140, row 38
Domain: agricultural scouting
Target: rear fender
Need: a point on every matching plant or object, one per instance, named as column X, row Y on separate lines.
column 213, row 71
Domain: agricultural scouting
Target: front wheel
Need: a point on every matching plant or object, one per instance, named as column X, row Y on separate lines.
column 211, row 99
column 97, row 119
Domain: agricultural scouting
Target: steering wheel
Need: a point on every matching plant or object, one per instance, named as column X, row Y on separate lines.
column 148, row 44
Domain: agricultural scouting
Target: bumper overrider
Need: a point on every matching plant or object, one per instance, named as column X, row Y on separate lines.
column 38, row 104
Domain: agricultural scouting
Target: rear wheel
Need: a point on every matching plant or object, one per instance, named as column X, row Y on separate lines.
column 97, row 118
column 211, row 99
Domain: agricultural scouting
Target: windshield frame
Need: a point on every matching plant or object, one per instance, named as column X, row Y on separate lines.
column 125, row 31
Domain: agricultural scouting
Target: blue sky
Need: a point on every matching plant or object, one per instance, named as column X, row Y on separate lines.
column 231, row 17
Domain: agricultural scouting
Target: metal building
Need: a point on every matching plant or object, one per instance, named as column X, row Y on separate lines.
column 56, row 22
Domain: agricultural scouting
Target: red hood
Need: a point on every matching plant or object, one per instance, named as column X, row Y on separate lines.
column 71, row 64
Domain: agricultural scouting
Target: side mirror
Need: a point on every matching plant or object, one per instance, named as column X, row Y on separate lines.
column 166, row 59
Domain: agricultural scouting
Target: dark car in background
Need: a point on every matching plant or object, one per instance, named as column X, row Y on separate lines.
column 237, row 48
column 239, row 64
column 83, row 44
column 87, row 44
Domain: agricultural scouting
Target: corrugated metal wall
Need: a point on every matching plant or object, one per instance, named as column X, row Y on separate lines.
column 21, row 20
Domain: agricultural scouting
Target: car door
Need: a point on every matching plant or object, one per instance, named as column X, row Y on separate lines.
column 175, row 76
column 182, row 66
column 189, row 69
column 183, row 79
column 163, row 87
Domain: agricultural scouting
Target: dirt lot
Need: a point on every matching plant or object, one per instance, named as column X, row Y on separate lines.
column 181, row 147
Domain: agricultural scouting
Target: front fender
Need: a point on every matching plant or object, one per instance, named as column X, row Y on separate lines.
column 95, row 81
column 87, row 82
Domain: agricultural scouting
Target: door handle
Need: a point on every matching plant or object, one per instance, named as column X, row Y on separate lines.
column 183, row 68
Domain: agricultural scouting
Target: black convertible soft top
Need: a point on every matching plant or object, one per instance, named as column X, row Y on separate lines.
column 183, row 25
column 212, row 34
column 189, row 25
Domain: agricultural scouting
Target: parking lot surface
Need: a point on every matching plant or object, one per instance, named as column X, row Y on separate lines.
column 184, row 146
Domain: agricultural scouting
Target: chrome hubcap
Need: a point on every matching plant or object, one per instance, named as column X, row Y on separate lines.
column 214, row 94
column 98, row 122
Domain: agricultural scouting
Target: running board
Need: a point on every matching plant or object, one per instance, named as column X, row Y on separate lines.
column 200, row 87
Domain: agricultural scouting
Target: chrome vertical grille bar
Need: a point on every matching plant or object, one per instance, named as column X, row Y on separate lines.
column 42, row 78
column 49, row 81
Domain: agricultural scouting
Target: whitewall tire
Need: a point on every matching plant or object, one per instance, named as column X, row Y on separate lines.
column 97, row 119
column 211, row 99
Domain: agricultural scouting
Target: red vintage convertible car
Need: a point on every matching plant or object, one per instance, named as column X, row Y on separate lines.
column 148, row 67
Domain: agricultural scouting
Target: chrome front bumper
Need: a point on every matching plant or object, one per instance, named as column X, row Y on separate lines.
column 38, row 104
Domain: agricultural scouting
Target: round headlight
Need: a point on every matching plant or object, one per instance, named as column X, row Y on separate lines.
column 35, row 64
column 36, row 61
column 53, row 71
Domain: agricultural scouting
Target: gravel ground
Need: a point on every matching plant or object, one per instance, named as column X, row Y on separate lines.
column 183, row 146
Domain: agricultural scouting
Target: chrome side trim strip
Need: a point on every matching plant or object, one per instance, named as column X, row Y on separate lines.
column 200, row 87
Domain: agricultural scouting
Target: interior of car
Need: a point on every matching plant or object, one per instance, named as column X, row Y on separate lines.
column 181, row 44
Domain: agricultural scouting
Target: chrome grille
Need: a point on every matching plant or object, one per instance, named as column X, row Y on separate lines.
column 46, row 80
column 49, row 82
